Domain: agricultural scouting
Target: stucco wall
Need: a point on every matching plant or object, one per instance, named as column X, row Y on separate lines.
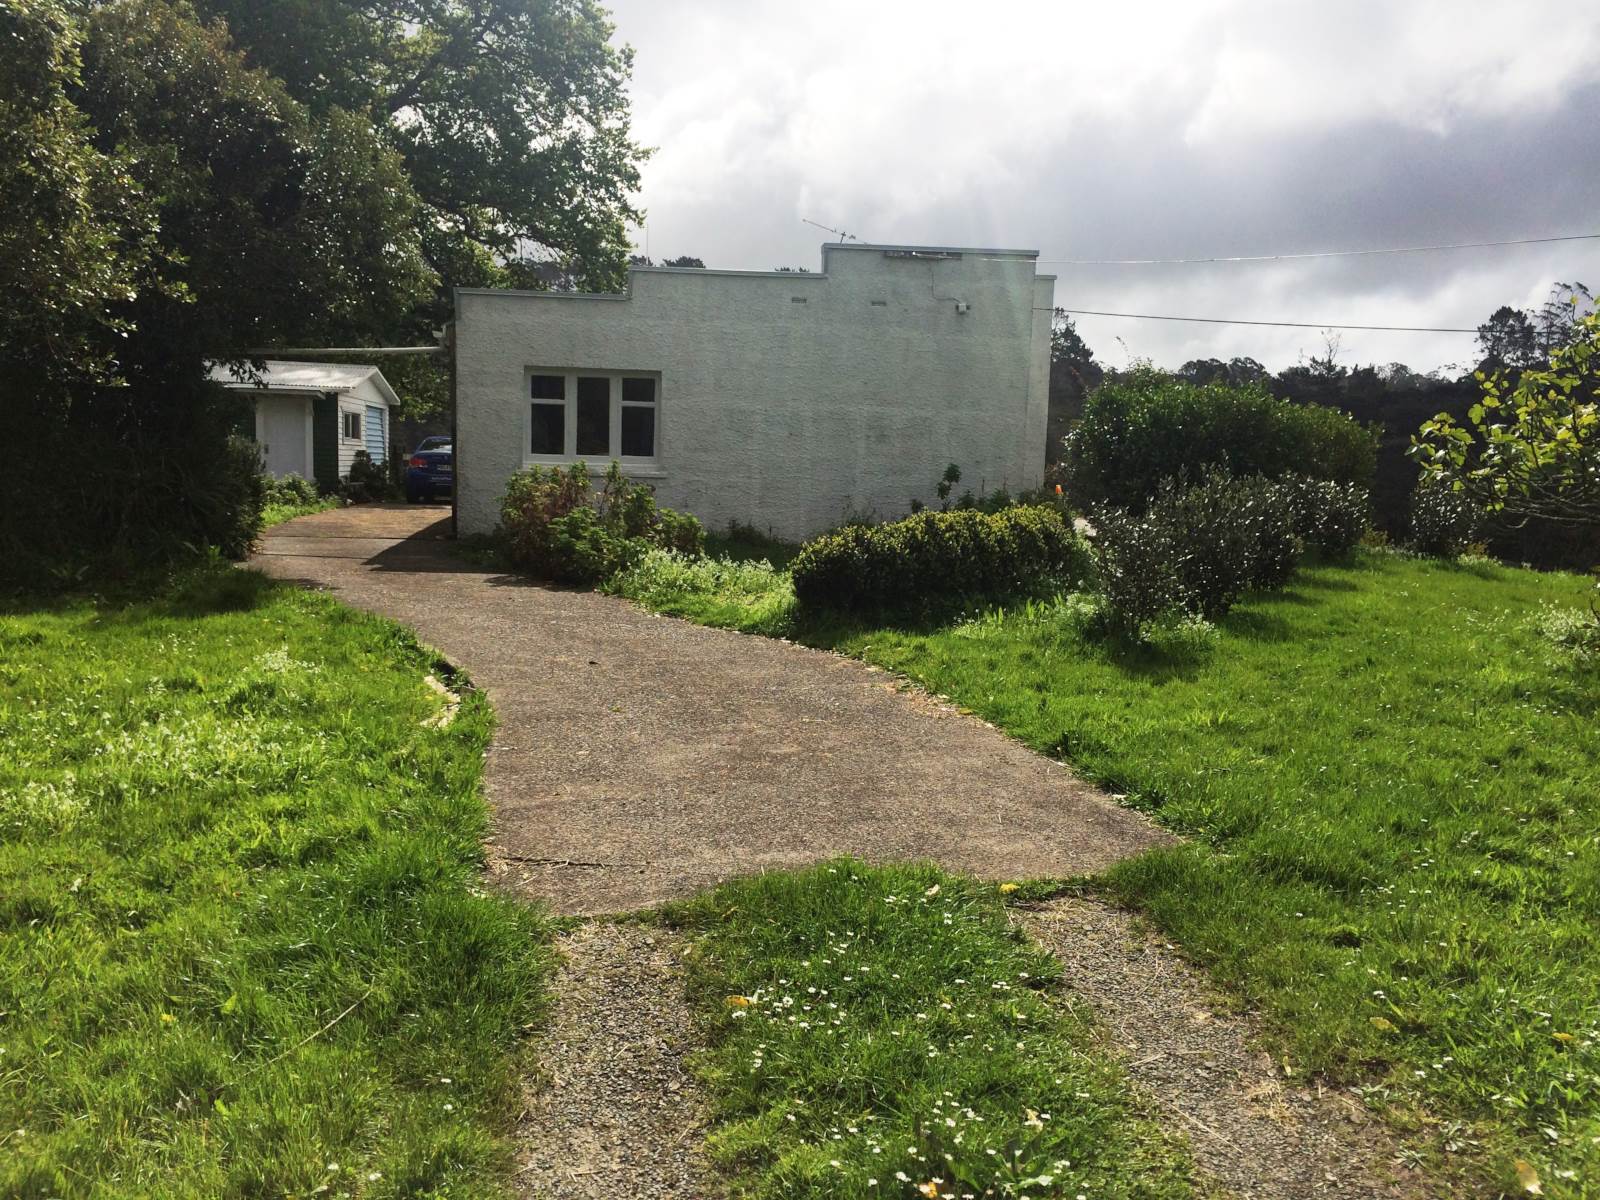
column 780, row 413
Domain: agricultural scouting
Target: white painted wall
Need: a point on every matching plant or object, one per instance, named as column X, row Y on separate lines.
column 283, row 431
column 780, row 413
column 355, row 401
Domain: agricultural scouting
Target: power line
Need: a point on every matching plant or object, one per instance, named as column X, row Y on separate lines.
column 1091, row 312
column 1252, row 258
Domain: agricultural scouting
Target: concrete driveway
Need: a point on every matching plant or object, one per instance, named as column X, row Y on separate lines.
column 640, row 758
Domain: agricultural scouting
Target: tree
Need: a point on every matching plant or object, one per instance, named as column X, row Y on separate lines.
column 1530, row 450
column 75, row 227
column 1235, row 372
column 511, row 118
column 231, row 217
column 683, row 260
column 276, row 224
column 1508, row 339
column 1073, row 374
column 1560, row 316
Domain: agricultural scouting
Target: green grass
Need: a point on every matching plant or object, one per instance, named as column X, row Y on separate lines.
column 277, row 514
column 242, row 947
column 875, row 1030
column 745, row 594
column 1392, row 786
column 740, row 542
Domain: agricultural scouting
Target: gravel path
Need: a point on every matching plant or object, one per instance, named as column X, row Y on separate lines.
column 614, row 1114
column 640, row 758
column 1250, row 1130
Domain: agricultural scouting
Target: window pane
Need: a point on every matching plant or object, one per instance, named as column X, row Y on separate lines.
column 594, row 416
column 638, row 432
column 639, row 391
column 549, row 387
column 549, row 429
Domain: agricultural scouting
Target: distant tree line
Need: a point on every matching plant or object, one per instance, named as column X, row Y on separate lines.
column 1393, row 398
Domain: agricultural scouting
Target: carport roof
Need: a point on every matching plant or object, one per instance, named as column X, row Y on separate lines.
column 280, row 375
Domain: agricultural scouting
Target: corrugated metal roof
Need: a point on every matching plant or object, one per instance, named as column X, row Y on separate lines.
column 304, row 377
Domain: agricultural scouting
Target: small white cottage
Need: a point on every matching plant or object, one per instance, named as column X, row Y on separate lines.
column 311, row 418
column 782, row 399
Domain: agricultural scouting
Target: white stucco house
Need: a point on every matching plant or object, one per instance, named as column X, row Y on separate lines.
column 782, row 399
column 311, row 418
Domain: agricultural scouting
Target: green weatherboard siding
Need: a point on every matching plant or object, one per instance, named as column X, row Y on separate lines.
column 325, row 440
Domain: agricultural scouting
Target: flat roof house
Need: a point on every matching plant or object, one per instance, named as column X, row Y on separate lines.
column 311, row 418
column 783, row 399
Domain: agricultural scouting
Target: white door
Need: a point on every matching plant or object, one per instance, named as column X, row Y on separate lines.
column 281, row 425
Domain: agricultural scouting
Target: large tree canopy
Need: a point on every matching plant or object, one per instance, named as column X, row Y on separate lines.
column 276, row 223
column 511, row 117
column 75, row 228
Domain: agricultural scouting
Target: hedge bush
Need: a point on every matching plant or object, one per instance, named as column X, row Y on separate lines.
column 1444, row 523
column 1149, row 427
column 1329, row 518
column 1199, row 549
column 555, row 526
column 932, row 558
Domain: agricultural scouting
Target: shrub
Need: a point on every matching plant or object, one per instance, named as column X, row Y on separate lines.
column 1444, row 523
column 1151, row 427
column 1136, row 569
column 555, row 526
column 289, row 491
column 1195, row 549
column 1330, row 518
column 369, row 479
column 931, row 558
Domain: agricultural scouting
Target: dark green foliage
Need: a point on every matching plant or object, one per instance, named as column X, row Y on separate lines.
column 1149, row 427
column 369, row 479
column 1198, row 549
column 290, row 491
column 1136, row 570
column 187, row 208
column 555, row 526
column 1443, row 521
column 125, row 478
column 1329, row 518
column 510, row 118
column 932, row 558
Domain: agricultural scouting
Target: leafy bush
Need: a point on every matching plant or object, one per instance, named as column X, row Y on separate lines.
column 289, row 491
column 929, row 558
column 1330, row 518
column 1444, row 523
column 1151, row 427
column 1136, row 570
column 1195, row 549
column 369, row 479
column 555, row 526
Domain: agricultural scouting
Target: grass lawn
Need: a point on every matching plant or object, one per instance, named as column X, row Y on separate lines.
column 242, row 949
column 277, row 514
column 1393, row 792
column 881, row 1032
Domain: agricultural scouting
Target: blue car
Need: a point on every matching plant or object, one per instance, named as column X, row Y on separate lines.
column 431, row 469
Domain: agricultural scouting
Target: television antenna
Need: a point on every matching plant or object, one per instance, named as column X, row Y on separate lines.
column 838, row 233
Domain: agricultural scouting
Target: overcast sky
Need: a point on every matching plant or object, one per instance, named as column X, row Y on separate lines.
column 1138, row 130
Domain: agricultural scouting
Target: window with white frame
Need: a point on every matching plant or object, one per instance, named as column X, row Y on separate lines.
column 592, row 415
column 350, row 425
